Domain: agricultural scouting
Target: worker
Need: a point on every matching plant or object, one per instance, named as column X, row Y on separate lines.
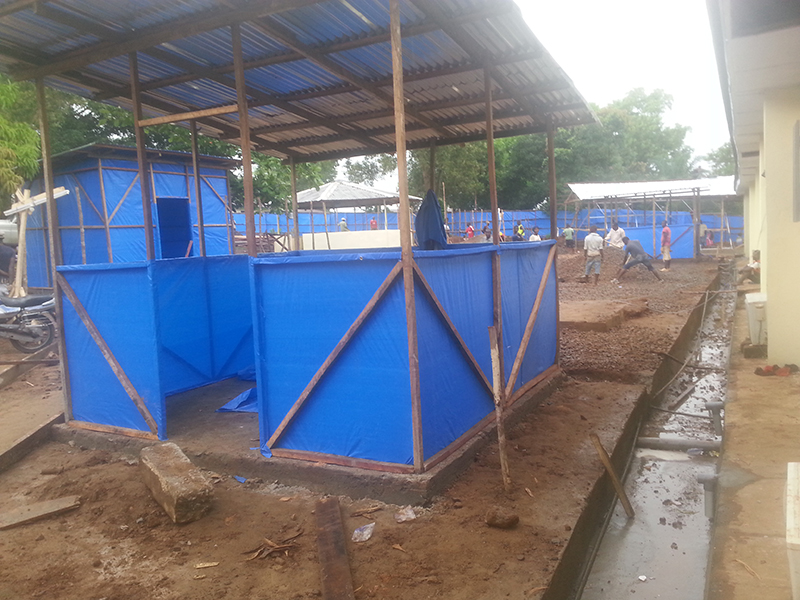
column 752, row 272
column 343, row 225
column 593, row 253
column 637, row 255
column 535, row 237
column 470, row 231
column 666, row 243
column 373, row 223
column 615, row 235
column 569, row 237
column 519, row 233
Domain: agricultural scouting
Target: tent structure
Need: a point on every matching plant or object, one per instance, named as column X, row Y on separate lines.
column 101, row 221
column 308, row 80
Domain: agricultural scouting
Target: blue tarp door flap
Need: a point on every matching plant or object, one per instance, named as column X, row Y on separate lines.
column 174, row 227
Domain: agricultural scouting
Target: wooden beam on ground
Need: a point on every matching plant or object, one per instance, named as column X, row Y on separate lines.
column 351, row 331
column 335, row 577
column 404, row 221
column 190, row 116
column 526, row 336
column 116, row 368
column 618, row 487
column 126, row 431
column 141, row 155
column 37, row 511
column 22, row 446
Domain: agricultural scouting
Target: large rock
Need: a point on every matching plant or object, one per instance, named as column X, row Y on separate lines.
column 181, row 489
column 502, row 518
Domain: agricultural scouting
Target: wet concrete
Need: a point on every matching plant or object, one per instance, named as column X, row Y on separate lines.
column 662, row 552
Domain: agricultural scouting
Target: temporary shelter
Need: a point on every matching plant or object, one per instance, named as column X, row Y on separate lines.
column 309, row 80
column 100, row 220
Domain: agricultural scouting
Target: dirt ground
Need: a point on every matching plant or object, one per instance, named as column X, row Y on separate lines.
column 120, row 545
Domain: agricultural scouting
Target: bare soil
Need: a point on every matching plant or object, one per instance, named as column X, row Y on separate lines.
column 120, row 545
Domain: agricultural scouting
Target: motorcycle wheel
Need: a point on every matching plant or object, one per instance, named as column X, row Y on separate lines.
column 42, row 328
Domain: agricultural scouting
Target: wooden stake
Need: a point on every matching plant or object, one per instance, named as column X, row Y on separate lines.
column 497, row 387
column 141, row 155
column 623, row 497
column 404, row 217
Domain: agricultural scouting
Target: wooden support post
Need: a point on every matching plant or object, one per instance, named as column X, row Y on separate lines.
column 104, row 204
column 141, row 156
column 497, row 389
column 655, row 253
column 404, row 217
column 551, row 178
column 296, row 228
column 497, row 293
column 22, row 252
column 198, row 190
column 81, row 225
column 313, row 237
column 327, row 235
column 696, row 218
column 55, row 242
column 432, row 168
column 244, row 130
column 623, row 497
column 721, row 225
column 444, row 203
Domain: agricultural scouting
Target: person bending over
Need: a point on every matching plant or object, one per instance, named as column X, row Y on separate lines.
column 637, row 256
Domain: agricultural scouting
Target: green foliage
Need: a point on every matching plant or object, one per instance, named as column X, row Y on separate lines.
column 19, row 140
column 370, row 168
column 462, row 168
column 720, row 161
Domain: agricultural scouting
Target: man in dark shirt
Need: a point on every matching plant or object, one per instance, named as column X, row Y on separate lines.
column 637, row 255
column 7, row 259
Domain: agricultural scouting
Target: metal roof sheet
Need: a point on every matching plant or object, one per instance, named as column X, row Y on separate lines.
column 341, row 194
column 318, row 73
column 680, row 188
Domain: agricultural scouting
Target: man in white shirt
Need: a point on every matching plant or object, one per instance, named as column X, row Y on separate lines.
column 615, row 235
column 593, row 252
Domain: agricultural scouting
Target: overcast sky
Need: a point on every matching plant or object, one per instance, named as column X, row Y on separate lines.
column 609, row 48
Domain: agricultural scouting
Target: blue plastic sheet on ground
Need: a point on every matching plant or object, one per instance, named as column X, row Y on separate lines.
column 247, row 401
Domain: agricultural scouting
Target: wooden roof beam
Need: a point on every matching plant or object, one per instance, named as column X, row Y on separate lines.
column 467, row 43
column 288, row 39
column 340, row 46
column 264, row 98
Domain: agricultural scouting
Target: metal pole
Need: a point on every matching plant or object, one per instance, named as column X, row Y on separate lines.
column 198, row 197
column 141, row 156
column 404, row 217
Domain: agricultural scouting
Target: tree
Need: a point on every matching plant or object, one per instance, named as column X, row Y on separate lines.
column 369, row 169
column 720, row 161
column 463, row 170
column 19, row 139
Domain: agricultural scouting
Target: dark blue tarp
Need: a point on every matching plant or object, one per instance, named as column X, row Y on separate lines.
column 429, row 225
column 361, row 406
column 173, row 325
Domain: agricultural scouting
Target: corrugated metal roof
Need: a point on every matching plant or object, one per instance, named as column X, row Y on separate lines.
column 680, row 188
column 318, row 74
column 341, row 194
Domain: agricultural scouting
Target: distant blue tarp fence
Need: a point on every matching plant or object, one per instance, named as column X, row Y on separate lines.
column 360, row 407
column 172, row 325
column 458, row 221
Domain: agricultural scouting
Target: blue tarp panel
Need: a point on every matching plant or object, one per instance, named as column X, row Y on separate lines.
column 172, row 324
column 123, row 208
column 361, row 407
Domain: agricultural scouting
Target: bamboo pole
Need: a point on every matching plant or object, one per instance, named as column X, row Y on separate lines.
column 141, row 155
column 244, row 129
column 22, row 252
column 198, row 194
column 404, row 217
column 497, row 389
column 55, row 244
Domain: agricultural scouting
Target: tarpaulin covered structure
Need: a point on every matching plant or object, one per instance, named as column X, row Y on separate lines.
column 136, row 333
column 101, row 219
column 334, row 384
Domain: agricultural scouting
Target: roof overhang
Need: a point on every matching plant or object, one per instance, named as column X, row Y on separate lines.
column 317, row 73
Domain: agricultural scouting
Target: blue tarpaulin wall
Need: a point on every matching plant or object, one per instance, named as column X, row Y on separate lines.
column 109, row 191
column 173, row 325
column 361, row 407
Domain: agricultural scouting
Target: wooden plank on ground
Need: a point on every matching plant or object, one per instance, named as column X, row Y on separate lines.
column 39, row 510
column 337, row 583
column 23, row 445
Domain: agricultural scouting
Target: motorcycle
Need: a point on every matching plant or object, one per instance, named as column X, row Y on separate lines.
column 28, row 322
